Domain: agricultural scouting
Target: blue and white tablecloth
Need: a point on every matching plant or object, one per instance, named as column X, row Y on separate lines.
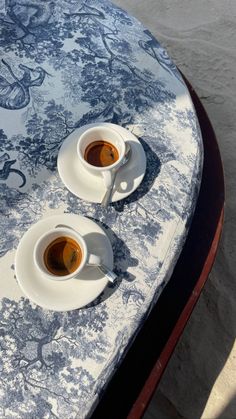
column 62, row 65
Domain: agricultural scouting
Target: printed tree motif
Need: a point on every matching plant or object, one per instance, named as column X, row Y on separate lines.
column 28, row 29
column 36, row 30
column 3, row 141
column 113, row 87
column 45, row 136
column 101, row 73
column 19, row 210
column 37, row 349
column 101, row 52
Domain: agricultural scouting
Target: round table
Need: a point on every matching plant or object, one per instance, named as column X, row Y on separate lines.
column 64, row 65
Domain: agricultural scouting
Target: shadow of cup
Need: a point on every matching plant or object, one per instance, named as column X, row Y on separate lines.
column 132, row 170
column 153, row 168
column 122, row 259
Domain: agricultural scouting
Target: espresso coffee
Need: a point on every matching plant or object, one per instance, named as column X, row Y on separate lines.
column 62, row 256
column 101, row 153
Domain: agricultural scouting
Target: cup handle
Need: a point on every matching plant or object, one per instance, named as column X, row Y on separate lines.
column 93, row 260
column 107, row 177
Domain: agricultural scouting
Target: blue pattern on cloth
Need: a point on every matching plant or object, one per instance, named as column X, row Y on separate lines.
column 62, row 65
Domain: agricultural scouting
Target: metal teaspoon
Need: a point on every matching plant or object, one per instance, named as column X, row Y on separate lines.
column 107, row 197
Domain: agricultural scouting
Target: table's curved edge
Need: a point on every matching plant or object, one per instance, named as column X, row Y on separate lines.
column 211, row 243
column 154, row 378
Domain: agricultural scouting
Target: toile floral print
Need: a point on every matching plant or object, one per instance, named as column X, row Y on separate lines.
column 63, row 65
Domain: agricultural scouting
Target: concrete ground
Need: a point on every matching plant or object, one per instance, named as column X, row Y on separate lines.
column 200, row 36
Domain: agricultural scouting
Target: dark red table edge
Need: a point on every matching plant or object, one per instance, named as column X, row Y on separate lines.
column 135, row 381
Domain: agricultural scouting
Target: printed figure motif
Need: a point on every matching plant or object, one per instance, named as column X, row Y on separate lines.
column 29, row 14
column 7, row 169
column 154, row 49
column 16, row 94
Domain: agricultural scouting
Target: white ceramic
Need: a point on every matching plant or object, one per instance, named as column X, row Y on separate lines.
column 53, row 234
column 63, row 295
column 90, row 187
column 101, row 133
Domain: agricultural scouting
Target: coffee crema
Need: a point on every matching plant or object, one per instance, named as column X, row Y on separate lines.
column 101, row 153
column 62, row 256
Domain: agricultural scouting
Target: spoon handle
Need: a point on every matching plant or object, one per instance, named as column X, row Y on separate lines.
column 110, row 275
column 107, row 197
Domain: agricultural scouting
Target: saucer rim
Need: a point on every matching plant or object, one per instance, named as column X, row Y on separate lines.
column 32, row 269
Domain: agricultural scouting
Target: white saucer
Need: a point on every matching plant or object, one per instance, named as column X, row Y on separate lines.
column 63, row 295
column 91, row 187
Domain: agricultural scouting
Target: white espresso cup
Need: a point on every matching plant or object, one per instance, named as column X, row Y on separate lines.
column 101, row 133
column 48, row 238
